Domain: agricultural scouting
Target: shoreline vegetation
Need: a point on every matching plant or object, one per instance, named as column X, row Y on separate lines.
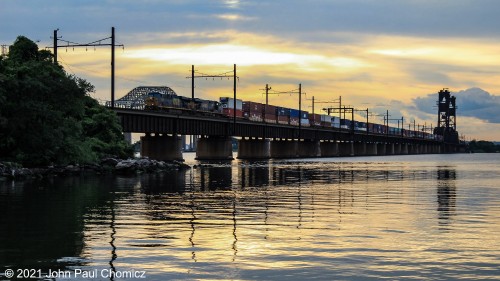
column 13, row 171
column 48, row 118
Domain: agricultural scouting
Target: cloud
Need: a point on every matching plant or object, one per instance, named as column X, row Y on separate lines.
column 473, row 102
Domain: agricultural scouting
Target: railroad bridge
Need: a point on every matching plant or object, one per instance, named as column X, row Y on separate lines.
column 257, row 140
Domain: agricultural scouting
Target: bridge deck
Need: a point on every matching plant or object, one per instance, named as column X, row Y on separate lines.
column 192, row 123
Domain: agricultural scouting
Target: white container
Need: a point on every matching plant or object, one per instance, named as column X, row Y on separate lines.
column 326, row 118
column 229, row 103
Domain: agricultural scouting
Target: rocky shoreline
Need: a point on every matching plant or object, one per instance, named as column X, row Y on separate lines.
column 10, row 170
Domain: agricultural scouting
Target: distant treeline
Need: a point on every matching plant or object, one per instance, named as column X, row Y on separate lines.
column 483, row 147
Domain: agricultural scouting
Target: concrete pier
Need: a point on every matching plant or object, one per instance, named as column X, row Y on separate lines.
column 283, row 149
column 359, row 148
column 163, row 148
column 329, row 149
column 308, row 149
column 346, row 149
column 214, row 148
column 404, row 148
column 389, row 149
column 254, row 149
column 371, row 149
column 381, row 149
column 397, row 148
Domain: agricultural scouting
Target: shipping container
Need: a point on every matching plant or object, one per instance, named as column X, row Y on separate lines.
column 335, row 122
column 282, row 111
column 283, row 114
column 360, row 126
column 304, row 122
column 229, row 112
column 294, row 117
column 315, row 119
column 229, row 103
column 270, row 109
column 326, row 120
column 371, row 128
column 270, row 118
column 253, row 111
column 294, row 113
column 345, row 124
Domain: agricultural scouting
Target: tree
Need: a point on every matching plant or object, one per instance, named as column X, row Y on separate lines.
column 483, row 147
column 47, row 113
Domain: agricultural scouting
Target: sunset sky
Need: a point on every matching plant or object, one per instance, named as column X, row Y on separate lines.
column 377, row 54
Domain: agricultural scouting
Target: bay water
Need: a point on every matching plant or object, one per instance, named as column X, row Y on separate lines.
column 414, row 217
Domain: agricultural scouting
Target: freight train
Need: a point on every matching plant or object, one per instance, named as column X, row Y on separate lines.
column 259, row 112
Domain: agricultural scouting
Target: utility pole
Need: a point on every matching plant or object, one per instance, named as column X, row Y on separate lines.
column 192, row 82
column 234, row 99
column 267, row 93
column 55, row 45
column 300, row 107
column 97, row 43
column 313, row 106
column 223, row 75
column 113, row 67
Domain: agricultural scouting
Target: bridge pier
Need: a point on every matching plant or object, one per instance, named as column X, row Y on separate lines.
column 381, row 148
column 254, row 149
column 404, row 148
column 423, row 149
column 346, row 149
column 163, row 148
column 389, row 149
column 308, row 148
column 128, row 137
column 371, row 149
column 439, row 149
column 397, row 148
column 214, row 148
column 283, row 149
column 329, row 148
column 359, row 149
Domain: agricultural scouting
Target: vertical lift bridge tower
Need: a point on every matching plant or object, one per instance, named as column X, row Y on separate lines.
column 447, row 125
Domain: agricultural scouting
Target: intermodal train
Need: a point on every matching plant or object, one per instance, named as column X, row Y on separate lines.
column 259, row 112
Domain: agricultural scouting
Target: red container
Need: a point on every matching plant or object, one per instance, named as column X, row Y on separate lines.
column 269, row 109
column 284, row 119
column 315, row 119
column 326, row 124
column 229, row 112
column 270, row 118
column 370, row 128
column 253, row 110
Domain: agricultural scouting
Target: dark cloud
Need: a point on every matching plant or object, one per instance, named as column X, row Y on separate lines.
column 473, row 102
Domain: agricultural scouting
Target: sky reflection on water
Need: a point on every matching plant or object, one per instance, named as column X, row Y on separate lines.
column 331, row 219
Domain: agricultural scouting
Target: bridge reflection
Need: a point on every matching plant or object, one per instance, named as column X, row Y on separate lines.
column 212, row 176
column 446, row 194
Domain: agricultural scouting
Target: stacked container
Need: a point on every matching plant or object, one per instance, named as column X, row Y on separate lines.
column 253, row 111
column 360, row 126
column 269, row 113
column 345, row 124
column 304, row 119
column 228, row 109
column 326, row 120
column 294, row 117
column 283, row 115
column 315, row 120
column 335, row 122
